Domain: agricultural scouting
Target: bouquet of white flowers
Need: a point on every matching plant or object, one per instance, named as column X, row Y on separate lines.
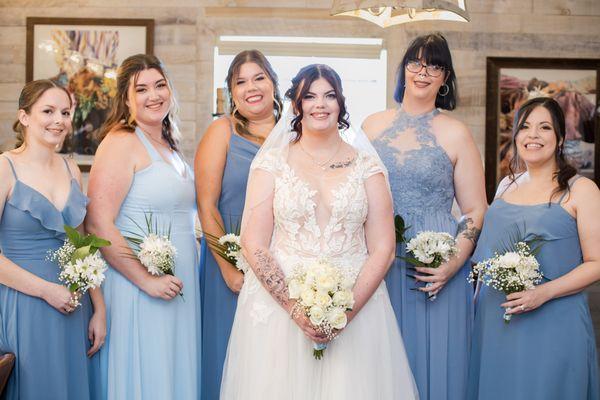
column 511, row 272
column 228, row 247
column 81, row 267
column 153, row 247
column 324, row 294
column 431, row 249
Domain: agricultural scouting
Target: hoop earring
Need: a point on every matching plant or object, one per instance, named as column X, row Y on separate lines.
column 278, row 107
column 234, row 110
column 447, row 90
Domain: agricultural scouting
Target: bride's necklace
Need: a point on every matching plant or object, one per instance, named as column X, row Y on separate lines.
column 321, row 165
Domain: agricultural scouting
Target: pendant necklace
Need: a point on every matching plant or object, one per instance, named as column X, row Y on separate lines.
column 322, row 165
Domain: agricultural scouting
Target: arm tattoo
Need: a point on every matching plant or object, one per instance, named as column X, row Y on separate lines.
column 470, row 233
column 271, row 276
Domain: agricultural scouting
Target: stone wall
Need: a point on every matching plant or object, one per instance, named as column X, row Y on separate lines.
column 186, row 31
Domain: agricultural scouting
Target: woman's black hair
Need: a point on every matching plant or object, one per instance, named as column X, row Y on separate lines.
column 433, row 50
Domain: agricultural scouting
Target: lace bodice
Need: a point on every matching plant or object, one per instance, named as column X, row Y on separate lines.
column 315, row 216
column 421, row 173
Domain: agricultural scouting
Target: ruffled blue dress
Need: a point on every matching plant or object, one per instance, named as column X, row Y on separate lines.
column 50, row 347
column 545, row 354
column 218, row 301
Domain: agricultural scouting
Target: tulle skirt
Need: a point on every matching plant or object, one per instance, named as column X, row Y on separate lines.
column 270, row 358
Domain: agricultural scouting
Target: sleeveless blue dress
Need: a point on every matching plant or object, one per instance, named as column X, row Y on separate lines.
column 50, row 347
column 545, row 354
column 436, row 333
column 153, row 345
column 218, row 301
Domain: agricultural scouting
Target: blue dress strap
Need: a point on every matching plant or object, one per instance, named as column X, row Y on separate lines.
column 571, row 182
column 12, row 167
column 68, row 168
column 149, row 148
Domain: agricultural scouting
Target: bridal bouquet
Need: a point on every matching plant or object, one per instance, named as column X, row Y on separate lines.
column 153, row 247
column 81, row 267
column 431, row 249
column 511, row 272
column 324, row 294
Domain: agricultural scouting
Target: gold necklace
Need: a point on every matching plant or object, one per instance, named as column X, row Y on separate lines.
column 322, row 165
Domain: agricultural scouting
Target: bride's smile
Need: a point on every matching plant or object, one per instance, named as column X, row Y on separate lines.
column 320, row 108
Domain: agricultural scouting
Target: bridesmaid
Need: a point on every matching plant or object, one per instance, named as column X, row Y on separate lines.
column 548, row 350
column 222, row 162
column 40, row 192
column 432, row 160
column 153, row 344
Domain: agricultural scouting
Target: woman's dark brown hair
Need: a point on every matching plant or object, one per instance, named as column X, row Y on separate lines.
column 565, row 171
column 121, row 117
column 300, row 87
column 258, row 58
column 30, row 94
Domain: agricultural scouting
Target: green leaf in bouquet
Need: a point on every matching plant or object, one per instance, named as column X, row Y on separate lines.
column 400, row 229
column 516, row 233
column 73, row 236
column 97, row 242
column 73, row 287
column 412, row 261
column 81, row 253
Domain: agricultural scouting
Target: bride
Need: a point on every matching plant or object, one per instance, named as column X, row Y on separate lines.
column 313, row 196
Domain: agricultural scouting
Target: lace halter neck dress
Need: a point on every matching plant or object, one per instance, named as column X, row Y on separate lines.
column 436, row 333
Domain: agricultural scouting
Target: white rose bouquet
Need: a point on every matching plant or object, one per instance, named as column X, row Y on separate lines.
column 153, row 247
column 431, row 249
column 81, row 267
column 324, row 294
column 511, row 272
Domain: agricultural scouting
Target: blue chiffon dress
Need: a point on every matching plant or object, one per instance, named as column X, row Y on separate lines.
column 153, row 345
column 545, row 354
column 218, row 301
column 50, row 347
column 436, row 333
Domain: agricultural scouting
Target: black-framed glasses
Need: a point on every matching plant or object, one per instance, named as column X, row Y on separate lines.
column 415, row 66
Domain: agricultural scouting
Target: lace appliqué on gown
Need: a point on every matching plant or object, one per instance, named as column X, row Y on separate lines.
column 423, row 177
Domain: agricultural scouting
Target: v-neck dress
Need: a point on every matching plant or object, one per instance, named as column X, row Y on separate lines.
column 50, row 347
column 218, row 301
column 153, row 345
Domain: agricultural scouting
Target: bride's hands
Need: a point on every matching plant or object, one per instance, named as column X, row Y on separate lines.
column 308, row 328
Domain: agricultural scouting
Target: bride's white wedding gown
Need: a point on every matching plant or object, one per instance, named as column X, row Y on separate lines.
column 269, row 357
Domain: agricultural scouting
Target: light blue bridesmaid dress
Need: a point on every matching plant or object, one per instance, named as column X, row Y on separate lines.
column 218, row 301
column 436, row 333
column 50, row 347
column 153, row 345
column 545, row 354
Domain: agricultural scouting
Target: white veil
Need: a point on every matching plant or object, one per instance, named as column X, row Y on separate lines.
column 283, row 134
column 277, row 141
